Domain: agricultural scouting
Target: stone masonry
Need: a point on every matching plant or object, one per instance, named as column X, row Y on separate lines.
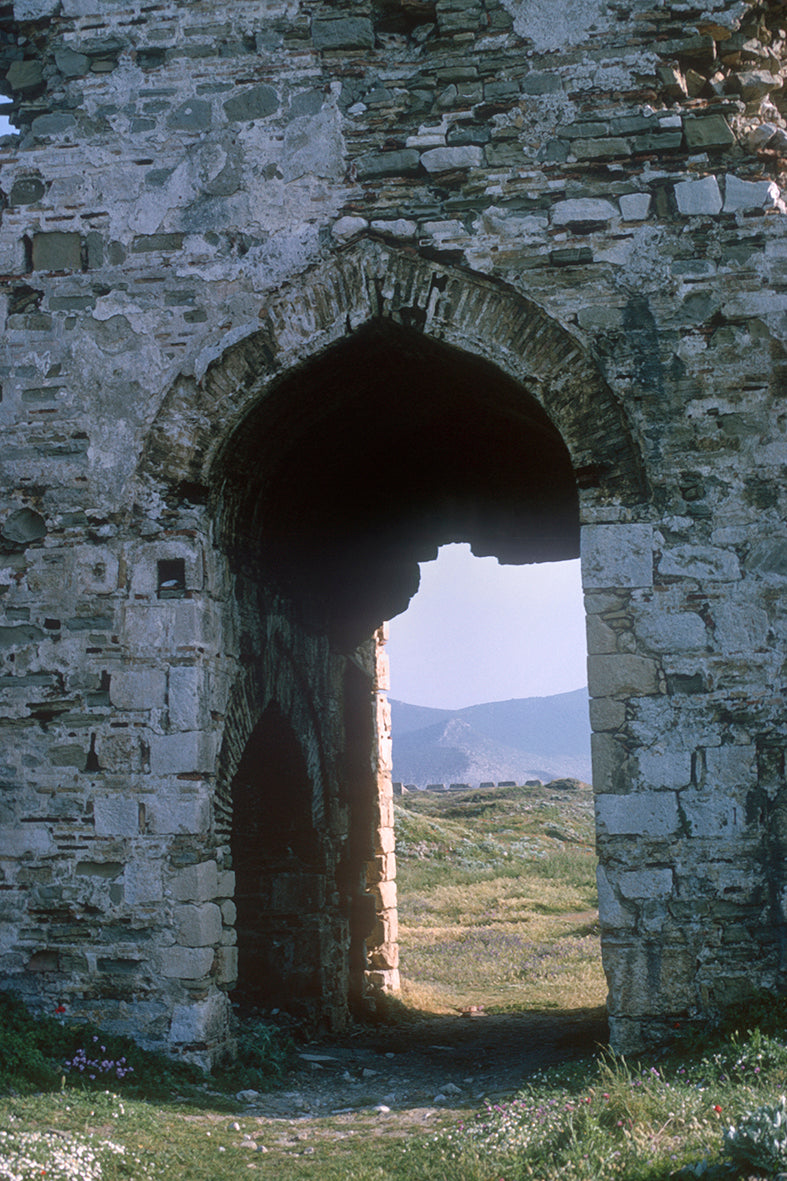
column 293, row 292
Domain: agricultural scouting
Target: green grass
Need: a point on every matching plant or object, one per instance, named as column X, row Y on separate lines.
column 597, row 1119
column 507, row 889
column 498, row 901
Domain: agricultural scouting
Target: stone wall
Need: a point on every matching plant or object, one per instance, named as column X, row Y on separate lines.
column 263, row 267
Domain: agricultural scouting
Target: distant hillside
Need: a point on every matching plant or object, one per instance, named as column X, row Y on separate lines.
column 525, row 738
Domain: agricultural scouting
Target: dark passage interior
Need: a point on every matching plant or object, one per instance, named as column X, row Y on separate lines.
column 279, row 886
column 358, row 465
column 348, row 472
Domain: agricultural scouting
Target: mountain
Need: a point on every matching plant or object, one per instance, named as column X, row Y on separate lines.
column 525, row 738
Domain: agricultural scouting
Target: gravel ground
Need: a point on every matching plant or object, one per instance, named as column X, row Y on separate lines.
column 439, row 1062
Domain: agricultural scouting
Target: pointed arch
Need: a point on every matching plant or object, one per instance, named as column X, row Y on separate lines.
column 372, row 281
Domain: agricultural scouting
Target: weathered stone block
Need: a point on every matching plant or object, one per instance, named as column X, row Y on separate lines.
column 198, row 926
column 740, row 627
column 225, row 965
column 654, row 813
column 116, row 816
column 186, row 696
column 583, row 211
column 654, row 979
column 170, row 812
column 385, row 895
column 622, row 674
column 142, row 882
column 182, row 753
column 45, row 126
column 769, row 557
column 704, row 562
column 226, row 884
column 26, row 190
column 27, row 840
column 609, row 760
column 57, row 252
column 386, row 842
column 399, row 227
column 539, row 83
column 634, row 206
column 611, row 913
column 196, row 883
column 713, row 814
column 447, row 159
column 751, row 195
column 347, row 227
column 755, row 84
column 71, row 63
column 699, row 197
column 708, row 131
column 730, row 766
column 138, row 688
column 406, row 162
column 646, row 883
column 25, row 75
column 200, row 1021
column 384, row 956
column 187, row 963
column 119, row 750
column 193, row 115
column 606, row 714
column 600, row 636
column 342, row 33
column 257, row 103
column 665, row 768
column 671, row 631
column 617, row 556
column 609, row 147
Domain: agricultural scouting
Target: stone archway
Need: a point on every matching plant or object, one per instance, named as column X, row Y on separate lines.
column 506, row 435
column 371, row 281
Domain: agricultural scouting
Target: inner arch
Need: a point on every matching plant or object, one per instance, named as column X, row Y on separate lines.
column 357, row 465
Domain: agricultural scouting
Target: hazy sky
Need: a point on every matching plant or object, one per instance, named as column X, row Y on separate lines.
column 478, row 631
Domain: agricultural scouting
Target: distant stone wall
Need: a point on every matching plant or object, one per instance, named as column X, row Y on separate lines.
column 292, row 293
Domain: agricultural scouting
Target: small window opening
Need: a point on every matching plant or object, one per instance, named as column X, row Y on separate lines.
column 171, row 578
column 6, row 109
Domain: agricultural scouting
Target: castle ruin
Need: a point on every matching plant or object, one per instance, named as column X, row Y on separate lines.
column 294, row 291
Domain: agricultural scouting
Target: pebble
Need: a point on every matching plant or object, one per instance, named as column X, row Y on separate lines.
column 383, row 1109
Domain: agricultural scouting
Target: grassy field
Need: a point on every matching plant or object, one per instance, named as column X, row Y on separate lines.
column 498, row 909
column 497, row 900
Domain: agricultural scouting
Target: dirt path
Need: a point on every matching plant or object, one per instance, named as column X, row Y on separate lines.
column 435, row 1061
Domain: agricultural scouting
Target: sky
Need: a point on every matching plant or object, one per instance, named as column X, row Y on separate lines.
column 478, row 631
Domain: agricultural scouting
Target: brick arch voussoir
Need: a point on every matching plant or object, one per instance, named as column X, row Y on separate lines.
column 373, row 280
